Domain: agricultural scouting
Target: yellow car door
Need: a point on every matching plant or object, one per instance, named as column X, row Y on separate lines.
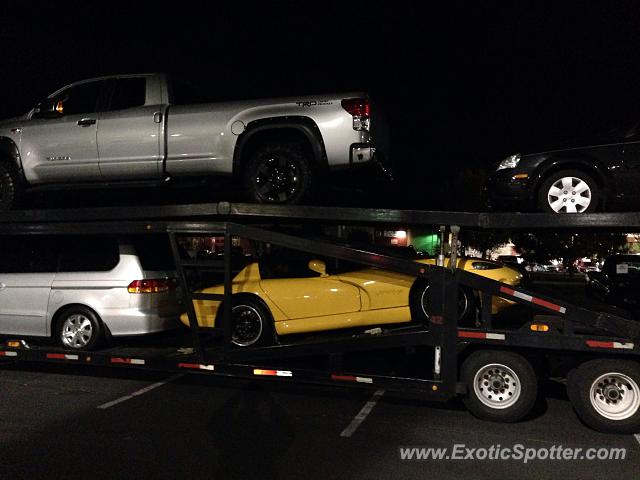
column 312, row 297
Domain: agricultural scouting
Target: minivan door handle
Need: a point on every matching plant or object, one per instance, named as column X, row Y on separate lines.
column 2, row 286
column 85, row 122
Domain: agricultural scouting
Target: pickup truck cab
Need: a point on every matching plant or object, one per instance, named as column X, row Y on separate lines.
column 140, row 129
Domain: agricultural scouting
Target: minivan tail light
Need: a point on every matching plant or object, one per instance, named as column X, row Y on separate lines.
column 360, row 110
column 151, row 285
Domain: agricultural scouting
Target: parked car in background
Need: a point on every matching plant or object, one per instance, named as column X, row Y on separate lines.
column 279, row 297
column 600, row 175
column 83, row 290
column 618, row 282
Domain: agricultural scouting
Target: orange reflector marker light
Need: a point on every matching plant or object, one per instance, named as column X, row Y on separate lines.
column 521, row 176
column 539, row 327
column 14, row 344
column 272, row 373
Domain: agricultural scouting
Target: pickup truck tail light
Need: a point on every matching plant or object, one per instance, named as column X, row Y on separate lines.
column 360, row 110
column 150, row 285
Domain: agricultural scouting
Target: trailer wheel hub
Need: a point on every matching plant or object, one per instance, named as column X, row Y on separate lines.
column 497, row 386
column 615, row 396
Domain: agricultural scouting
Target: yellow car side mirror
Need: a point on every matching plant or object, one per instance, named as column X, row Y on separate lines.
column 318, row 266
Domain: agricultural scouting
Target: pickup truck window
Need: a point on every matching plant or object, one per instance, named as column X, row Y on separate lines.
column 128, row 93
column 81, row 98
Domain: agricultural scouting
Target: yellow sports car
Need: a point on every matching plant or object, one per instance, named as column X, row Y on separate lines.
column 285, row 297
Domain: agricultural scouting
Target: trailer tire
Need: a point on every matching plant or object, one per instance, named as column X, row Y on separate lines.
column 252, row 324
column 420, row 310
column 605, row 394
column 502, row 386
column 279, row 173
column 11, row 186
column 78, row 328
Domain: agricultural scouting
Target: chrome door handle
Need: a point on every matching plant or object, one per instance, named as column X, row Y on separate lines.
column 2, row 286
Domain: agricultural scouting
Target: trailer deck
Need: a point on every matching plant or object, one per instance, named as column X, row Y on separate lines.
column 560, row 329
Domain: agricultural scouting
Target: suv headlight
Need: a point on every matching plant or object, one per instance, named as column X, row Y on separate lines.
column 509, row 162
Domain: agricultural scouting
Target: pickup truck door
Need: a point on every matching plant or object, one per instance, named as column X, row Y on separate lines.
column 130, row 137
column 64, row 149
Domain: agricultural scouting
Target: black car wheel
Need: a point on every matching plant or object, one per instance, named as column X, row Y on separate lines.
column 279, row 173
column 252, row 324
column 569, row 191
column 421, row 309
column 10, row 186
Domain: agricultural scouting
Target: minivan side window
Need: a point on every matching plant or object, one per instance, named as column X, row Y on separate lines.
column 88, row 254
column 129, row 93
column 27, row 254
column 154, row 252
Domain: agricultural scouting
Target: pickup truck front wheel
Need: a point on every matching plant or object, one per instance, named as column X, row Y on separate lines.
column 279, row 173
column 10, row 186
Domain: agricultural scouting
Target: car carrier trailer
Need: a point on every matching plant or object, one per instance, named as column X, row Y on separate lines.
column 496, row 369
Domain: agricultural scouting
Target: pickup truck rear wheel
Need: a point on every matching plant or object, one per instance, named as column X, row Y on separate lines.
column 279, row 173
column 11, row 187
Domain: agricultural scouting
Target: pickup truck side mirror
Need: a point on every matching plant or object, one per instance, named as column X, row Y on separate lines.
column 49, row 108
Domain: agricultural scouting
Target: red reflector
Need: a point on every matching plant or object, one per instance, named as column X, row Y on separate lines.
column 357, row 107
column 151, row 285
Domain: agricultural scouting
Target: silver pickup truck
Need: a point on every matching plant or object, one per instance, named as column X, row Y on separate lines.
column 142, row 129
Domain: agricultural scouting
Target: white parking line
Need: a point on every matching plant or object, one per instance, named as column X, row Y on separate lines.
column 362, row 414
column 138, row 392
column 637, row 437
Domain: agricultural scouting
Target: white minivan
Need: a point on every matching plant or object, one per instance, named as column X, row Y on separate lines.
column 81, row 290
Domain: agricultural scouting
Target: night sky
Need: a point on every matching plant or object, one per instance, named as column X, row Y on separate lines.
column 463, row 85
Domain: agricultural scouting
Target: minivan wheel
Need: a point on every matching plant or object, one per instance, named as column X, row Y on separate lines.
column 79, row 328
column 569, row 191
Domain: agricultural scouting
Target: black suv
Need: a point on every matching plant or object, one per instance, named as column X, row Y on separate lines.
column 601, row 176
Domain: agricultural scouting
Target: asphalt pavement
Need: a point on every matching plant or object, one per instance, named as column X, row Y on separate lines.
column 74, row 422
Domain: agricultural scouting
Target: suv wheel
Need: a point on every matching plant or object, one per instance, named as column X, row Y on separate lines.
column 569, row 191
column 279, row 173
